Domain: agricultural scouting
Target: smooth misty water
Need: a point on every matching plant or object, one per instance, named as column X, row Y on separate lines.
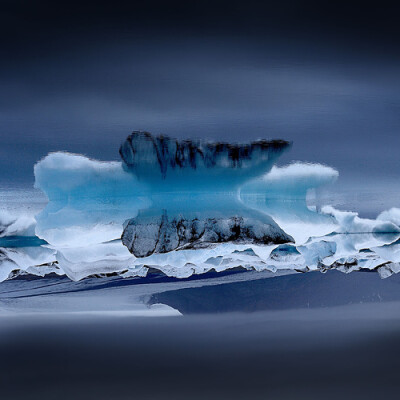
column 22, row 200
column 250, row 335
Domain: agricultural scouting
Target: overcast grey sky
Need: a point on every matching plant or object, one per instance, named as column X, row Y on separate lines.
column 334, row 92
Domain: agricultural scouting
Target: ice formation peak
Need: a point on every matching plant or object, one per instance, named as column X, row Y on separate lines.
column 197, row 163
column 302, row 175
column 294, row 179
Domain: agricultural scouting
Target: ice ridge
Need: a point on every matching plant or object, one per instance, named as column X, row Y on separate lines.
column 197, row 164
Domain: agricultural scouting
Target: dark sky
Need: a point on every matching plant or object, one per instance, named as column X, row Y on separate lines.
column 80, row 76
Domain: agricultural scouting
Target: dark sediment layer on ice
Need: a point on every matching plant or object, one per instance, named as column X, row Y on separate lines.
column 146, row 236
column 142, row 149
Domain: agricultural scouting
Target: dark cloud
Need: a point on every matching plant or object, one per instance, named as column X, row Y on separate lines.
column 40, row 25
column 81, row 76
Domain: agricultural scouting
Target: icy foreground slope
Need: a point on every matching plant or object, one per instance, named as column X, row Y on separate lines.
column 188, row 207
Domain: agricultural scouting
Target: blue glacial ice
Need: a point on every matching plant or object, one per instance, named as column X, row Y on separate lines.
column 187, row 207
column 193, row 187
column 282, row 194
column 89, row 200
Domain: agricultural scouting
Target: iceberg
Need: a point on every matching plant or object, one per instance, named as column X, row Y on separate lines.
column 282, row 193
column 194, row 191
column 392, row 215
column 89, row 200
column 161, row 235
column 350, row 222
column 96, row 260
column 192, row 184
column 16, row 225
column 35, row 260
column 184, row 207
